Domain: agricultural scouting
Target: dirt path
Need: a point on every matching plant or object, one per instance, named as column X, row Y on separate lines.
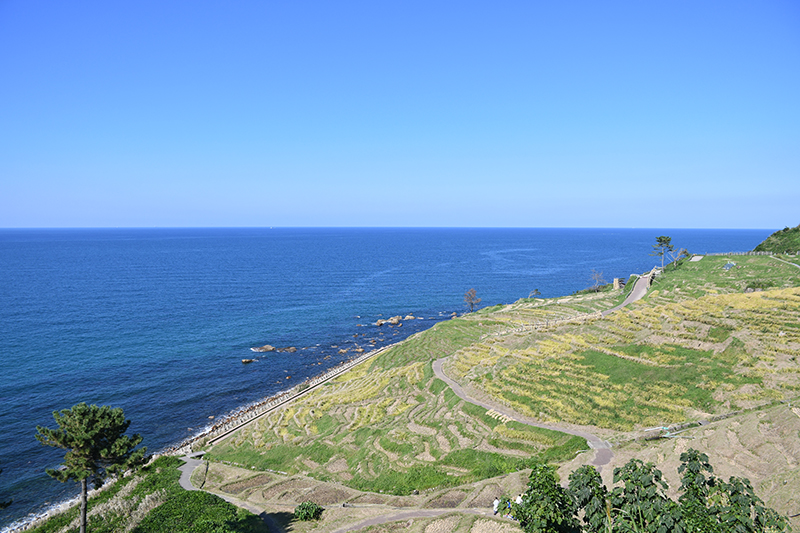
column 603, row 453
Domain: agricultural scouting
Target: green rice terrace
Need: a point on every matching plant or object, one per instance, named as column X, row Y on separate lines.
column 713, row 336
column 708, row 355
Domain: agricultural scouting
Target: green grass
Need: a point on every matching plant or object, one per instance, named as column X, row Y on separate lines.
column 199, row 512
column 693, row 279
column 439, row 341
column 782, row 241
column 210, row 514
column 693, row 367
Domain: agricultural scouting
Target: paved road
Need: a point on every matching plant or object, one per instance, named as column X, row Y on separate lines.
column 639, row 290
column 192, row 461
column 787, row 262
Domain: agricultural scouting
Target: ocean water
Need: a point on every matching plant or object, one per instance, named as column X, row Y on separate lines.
column 156, row 321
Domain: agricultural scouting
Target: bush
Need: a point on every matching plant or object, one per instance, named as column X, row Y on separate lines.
column 308, row 511
column 199, row 512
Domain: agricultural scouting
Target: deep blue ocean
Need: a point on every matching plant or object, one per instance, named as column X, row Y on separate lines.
column 156, row 321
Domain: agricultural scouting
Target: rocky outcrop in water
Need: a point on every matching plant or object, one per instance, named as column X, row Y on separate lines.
column 393, row 321
column 265, row 348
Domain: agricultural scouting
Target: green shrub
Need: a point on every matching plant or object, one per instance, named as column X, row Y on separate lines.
column 308, row 511
column 199, row 512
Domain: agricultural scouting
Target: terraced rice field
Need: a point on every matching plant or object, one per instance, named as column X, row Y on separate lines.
column 665, row 359
column 696, row 346
column 391, row 426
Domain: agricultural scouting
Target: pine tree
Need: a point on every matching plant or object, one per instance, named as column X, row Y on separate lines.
column 662, row 246
column 96, row 446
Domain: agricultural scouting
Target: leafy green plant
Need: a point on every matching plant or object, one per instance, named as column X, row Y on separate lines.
column 546, row 507
column 308, row 511
column 199, row 512
column 586, row 487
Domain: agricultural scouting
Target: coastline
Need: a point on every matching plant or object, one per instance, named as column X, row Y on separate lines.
column 223, row 425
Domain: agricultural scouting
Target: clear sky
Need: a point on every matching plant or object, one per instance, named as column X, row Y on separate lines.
column 662, row 114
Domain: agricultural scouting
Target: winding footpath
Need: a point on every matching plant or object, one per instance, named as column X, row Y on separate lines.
column 602, row 448
column 603, row 453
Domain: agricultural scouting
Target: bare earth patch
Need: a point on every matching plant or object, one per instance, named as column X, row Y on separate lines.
column 327, row 495
column 448, row 500
column 288, row 490
column 421, row 430
column 339, row 465
column 239, row 486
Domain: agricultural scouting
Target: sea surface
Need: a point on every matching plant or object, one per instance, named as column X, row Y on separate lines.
column 157, row 321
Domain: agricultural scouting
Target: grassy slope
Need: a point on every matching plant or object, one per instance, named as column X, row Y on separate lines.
column 391, row 426
column 152, row 500
column 696, row 346
column 783, row 241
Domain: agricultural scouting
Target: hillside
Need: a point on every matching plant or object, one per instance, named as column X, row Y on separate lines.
column 705, row 342
column 708, row 355
column 783, row 241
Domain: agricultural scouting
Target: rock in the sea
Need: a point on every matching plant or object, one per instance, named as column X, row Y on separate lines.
column 343, row 351
column 409, row 317
column 395, row 320
column 380, row 322
column 265, row 348
column 245, row 361
column 290, row 349
column 359, row 350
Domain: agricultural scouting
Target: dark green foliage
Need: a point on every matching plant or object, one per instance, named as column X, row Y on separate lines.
column 662, row 246
column 199, row 512
column 546, row 507
column 696, row 484
column 760, row 284
column 640, row 505
column 96, row 445
column 95, row 442
column 586, row 486
column 308, row 511
column 786, row 240
column 740, row 510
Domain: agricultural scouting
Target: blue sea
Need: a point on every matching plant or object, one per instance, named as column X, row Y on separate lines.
column 157, row 321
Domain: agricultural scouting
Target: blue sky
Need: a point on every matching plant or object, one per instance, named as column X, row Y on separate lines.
column 520, row 114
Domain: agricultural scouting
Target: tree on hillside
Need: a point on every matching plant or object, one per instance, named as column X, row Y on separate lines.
column 471, row 299
column 675, row 256
column 597, row 280
column 96, row 446
column 661, row 247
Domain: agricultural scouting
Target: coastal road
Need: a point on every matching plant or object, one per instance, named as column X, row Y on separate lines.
column 639, row 290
